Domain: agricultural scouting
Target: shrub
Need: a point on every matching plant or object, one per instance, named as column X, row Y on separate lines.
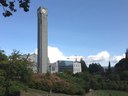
column 58, row 83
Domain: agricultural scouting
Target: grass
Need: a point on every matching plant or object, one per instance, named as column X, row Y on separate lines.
column 107, row 93
column 34, row 92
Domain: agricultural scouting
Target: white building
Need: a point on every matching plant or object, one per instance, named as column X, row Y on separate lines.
column 33, row 59
column 76, row 67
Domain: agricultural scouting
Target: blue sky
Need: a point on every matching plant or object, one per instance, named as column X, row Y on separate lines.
column 75, row 27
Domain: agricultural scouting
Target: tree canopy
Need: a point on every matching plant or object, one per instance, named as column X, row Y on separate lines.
column 14, row 70
column 9, row 6
column 95, row 68
column 122, row 65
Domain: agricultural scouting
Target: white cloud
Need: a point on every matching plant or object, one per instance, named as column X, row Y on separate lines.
column 55, row 54
column 100, row 56
column 74, row 58
column 115, row 59
column 103, row 57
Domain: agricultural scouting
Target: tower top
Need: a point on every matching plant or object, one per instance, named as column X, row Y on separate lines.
column 42, row 10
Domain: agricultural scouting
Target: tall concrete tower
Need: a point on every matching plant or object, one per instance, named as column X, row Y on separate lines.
column 42, row 40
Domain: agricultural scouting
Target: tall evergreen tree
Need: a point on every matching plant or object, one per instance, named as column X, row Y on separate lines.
column 109, row 70
column 83, row 65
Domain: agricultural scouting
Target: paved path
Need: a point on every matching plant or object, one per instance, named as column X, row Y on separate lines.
column 92, row 93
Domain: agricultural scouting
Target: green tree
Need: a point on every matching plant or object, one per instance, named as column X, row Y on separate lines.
column 3, row 61
column 122, row 65
column 9, row 6
column 83, row 65
column 95, row 68
column 20, row 66
column 15, row 70
column 109, row 70
column 114, row 77
column 124, row 76
column 3, row 57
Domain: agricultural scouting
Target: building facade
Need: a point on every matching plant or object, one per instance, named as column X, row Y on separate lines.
column 76, row 67
column 63, row 65
column 42, row 58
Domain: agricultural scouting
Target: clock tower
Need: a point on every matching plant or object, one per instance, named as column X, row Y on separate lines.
column 42, row 58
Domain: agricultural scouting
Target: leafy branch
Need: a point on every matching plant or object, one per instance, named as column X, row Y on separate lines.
column 9, row 6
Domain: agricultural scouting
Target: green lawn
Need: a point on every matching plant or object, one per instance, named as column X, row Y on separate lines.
column 107, row 93
column 34, row 92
